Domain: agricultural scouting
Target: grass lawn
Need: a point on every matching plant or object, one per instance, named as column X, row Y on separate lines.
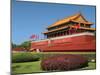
column 60, row 52
column 90, row 66
column 64, row 53
column 26, row 67
column 33, row 67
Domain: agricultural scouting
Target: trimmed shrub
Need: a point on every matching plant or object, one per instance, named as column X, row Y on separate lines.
column 63, row 62
column 24, row 57
column 44, row 55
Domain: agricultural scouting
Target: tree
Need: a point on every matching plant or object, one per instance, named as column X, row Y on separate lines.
column 26, row 44
column 14, row 45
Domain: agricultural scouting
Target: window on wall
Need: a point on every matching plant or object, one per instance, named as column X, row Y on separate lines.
column 82, row 25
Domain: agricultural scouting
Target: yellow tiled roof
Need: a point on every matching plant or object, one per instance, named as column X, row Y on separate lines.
column 84, row 28
column 89, row 29
column 77, row 18
column 93, row 29
column 56, row 29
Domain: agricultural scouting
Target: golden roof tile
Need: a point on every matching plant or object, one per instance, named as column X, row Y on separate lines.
column 76, row 18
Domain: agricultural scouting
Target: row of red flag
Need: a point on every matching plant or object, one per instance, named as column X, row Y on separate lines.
column 33, row 36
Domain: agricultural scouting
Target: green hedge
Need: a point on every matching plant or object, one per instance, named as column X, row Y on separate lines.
column 28, row 56
column 24, row 57
column 46, row 55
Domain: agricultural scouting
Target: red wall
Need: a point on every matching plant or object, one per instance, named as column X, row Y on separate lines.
column 78, row 43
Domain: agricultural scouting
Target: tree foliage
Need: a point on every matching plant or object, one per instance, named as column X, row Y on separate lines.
column 26, row 44
column 14, row 45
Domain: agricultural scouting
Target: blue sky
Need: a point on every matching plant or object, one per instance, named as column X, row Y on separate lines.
column 32, row 17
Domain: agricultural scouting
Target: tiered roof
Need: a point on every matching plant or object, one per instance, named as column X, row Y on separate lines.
column 78, row 18
column 69, row 26
column 75, row 18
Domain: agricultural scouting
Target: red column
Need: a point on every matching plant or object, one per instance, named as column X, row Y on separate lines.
column 60, row 34
column 63, row 33
column 66, row 33
column 54, row 35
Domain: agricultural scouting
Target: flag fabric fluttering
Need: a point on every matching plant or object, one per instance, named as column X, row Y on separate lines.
column 37, row 36
column 34, row 37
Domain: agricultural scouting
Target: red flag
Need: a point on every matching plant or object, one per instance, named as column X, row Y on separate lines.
column 33, row 36
column 37, row 37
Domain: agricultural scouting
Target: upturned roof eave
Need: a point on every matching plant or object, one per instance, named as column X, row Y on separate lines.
column 68, row 19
